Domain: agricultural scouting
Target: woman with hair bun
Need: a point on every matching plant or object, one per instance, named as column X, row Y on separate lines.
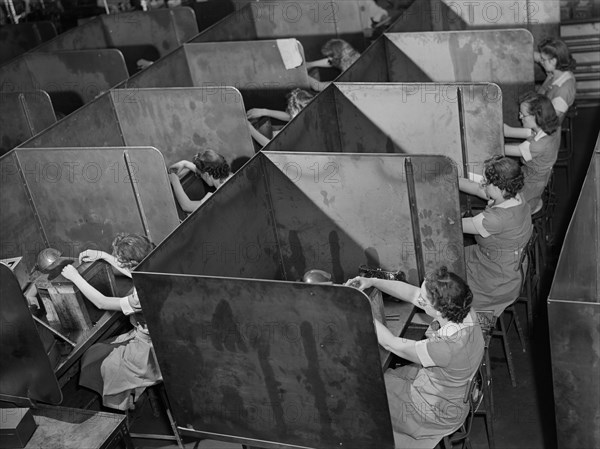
column 209, row 166
column 339, row 54
column 426, row 397
column 501, row 231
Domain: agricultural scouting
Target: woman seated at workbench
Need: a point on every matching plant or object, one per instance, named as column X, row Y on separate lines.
column 501, row 231
column 119, row 369
column 297, row 99
column 426, row 397
column 209, row 166
column 339, row 54
column 539, row 152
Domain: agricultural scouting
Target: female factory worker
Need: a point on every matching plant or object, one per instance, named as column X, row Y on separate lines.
column 210, row 166
column 338, row 54
column 539, row 152
column 426, row 397
column 120, row 369
column 501, row 231
column 297, row 99
column 560, row 86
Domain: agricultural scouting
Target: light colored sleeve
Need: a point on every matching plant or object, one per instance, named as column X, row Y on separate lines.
column 524, row 148
column 560, row 105
column 478, row 223
column 131, row 304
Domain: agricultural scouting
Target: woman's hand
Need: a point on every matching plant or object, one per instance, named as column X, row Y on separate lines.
column 90, row 255
column 174, row 179
column 70, row 272
column 180, row 168
column 255, row 113
column 360, row 282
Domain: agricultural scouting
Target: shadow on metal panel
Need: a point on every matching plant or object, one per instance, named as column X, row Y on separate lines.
column 461, row 121
column 268, row 363
column 178, row 122
column 74, row 199
column 573, row 317
column 137, row 34
column 16, row 39
column 23, row 115
column 454, row 56
column 25, row 369
column 541, row 19
column 71, row 78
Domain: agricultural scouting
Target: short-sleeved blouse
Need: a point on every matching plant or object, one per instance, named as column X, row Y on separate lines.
column 561, row 91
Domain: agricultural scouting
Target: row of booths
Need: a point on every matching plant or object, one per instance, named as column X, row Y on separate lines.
column 365, row 174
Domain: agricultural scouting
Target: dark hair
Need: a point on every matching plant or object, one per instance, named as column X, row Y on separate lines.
column 130, row 249
column 340, row 53
column 505, row 173
column 297, row 99
column 542, row 109
column 555, row 48
column 212, row 163
column 449, row 294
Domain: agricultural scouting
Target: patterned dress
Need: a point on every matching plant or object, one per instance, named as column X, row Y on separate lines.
column 493, row 264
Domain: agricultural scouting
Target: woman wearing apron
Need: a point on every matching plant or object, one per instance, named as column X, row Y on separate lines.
column 119, row 369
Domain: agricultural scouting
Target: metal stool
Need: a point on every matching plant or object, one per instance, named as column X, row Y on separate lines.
column 529, row 267
column 542, row 221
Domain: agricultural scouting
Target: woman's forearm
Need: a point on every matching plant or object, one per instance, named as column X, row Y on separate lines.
column 98, row 299
column 183, row 199
column 398, row 289
column 471, row 188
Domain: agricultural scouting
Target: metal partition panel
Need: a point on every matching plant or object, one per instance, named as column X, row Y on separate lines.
column 269, row 364
column 171, row 71
column 23, row 114
column 339, row 211
column 416, row 118
column 371, row 67
column 573, row 317
column 16, row 39
column 469, row 56
column 22, row 233
column 541, row 18
column 25, row 370
column 256, row 68
column 311, row 22
column 179, row 122
column 230, row 235
column 82, row 197
column 137, row 34
column 72, row 78
column 183, row 122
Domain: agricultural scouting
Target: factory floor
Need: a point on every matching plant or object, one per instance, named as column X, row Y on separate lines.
column 524, row 416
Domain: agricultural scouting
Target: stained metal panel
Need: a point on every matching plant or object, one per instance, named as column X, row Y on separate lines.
column 16, row 39
column 574, row 320
column 268, row 363
column 71, row 78
column 21, row 235
column 311, row 22
column 82, row 197
column 25, row 369
column 236, row 238
column 416, row 118
column 339, row 211
column 137, row 34
column 540, row 18
column 171, row 71
column 182, row 122
column 255, row 68
column 179, row 122
column 23, row 115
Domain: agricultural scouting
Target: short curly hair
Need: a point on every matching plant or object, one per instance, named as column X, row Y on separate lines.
column 213, row 163
column 555, row 48
column 542, row 109
column 130, row 249
column 505, row 173
column 297, row 99
column 340, row 53
column 449, row 294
